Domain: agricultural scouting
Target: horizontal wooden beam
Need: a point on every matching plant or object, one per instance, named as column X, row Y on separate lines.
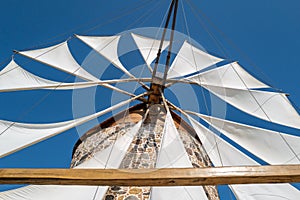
column 151, row 177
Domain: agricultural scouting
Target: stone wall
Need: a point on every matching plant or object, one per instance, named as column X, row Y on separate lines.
column 142, row 152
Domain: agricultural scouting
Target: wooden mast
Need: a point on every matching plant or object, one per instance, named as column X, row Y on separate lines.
column 158, row 83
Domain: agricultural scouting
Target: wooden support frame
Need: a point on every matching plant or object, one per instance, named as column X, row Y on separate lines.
column 151, row 177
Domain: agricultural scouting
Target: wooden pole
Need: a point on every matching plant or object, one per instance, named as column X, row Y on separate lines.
column 151, row 177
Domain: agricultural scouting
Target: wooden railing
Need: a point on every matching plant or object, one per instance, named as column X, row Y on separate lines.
column 151, row 177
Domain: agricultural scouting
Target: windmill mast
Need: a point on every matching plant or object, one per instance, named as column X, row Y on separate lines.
column 158, row 81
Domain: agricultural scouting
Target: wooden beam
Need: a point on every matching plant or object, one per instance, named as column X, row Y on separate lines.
column 150, row 177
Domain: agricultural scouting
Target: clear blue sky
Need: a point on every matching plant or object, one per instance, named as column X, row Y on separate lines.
column 266, row 31
column 261, row 33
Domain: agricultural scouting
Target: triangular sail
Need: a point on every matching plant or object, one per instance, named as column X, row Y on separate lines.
column 51, row 192
column 270, row 106
column 29, row 81
column 110, row 157
column 107, row 46
column 172, row 154
column 16, row 136
column 231, row 75
column 222, row 153
column 271, row 146
column 148, row 47
column 59, row 57
column 190, row 60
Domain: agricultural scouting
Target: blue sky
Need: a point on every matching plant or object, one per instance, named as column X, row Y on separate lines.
column 262, row 35
column 265, row 31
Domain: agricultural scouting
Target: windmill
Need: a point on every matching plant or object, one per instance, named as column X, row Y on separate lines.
column 152, row 125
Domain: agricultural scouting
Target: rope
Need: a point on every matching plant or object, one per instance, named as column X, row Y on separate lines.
column 193, row 53
column 130, row 11
column 131, row 25
column 156, row 35
column 6, row 60
column 94, row 197
column 252, row 95
column 125, row 12
column 146, row 87
column 202, row 89
column 50, row 92
column 244, row 55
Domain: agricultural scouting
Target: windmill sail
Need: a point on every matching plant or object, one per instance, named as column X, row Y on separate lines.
column 29, row 81
column 148, row 47
column 107, row 47
column 231, row 75
column 16, row 136
column 172, row 154
column 223, row 154
column 60, row 57
column 112, row 156
column 234, row 85
column 260, row 104
column 101, row 160
column 261, row 142
column 190, row 60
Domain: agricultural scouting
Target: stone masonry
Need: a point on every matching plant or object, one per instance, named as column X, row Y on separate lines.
column 142, row 152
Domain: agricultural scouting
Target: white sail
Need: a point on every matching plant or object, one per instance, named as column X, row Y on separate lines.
column 231, row 75
column 16, row 136
column 51, row 192
column 172, row 154
column 59, row 57
column 112, row 156
column 270, row 106
column 222, row 153
column 13, row 76
column 28, row 81
column 107, row 46
column 189, row 60
column 148, row 47
column 271, row 146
